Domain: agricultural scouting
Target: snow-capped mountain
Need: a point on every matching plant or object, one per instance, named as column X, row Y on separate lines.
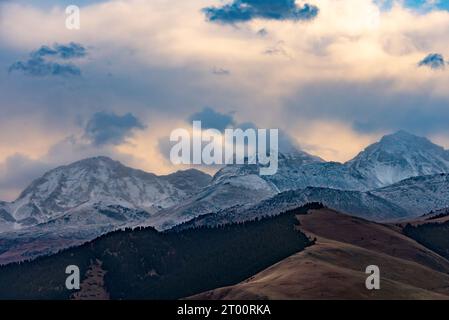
column 72, row 228
column 394, row 158
column 287, row 159
column 232, row 192
column 101, row 181
column 187, row 194
column 236, row 185
column 397, row 157
column 81, row 201
column 357, row 203
column 400, row 176
column 418, row 195
column 407, row 199
column 297, row 170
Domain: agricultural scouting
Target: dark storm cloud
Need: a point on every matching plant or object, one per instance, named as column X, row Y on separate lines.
column 370, row 107
column 39, row 67
column 246, row 10
column 69, row 51
column 42, row 61
column 108, row 128
column 211, row 119
column 434, row 61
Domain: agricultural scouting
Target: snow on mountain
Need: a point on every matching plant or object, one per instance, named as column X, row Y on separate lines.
column 235, row 191
column 357, row 203
column 104, row 181
column 6, row 219
column 89, row 197
column 298, row 170
column 418, row 195
column 236, row 185
column 287, row 160
column 79, row 202
column 397, row 157
column 74, row 227
column 321, row 175
column 184, row 195
column 394, row 158
column 407, row 199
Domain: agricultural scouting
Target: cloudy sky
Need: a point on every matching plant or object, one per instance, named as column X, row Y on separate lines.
column 333, row 75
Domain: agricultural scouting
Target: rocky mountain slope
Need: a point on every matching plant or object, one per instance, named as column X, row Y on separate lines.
column 184, row 195
column 101, row 181
column 79, row 202
column 346, row 187
column 397, row 157
column 401, row 201
column 394, row 158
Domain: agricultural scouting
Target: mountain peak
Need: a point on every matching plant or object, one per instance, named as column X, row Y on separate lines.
column 403, row 136
column 403, row 133
column 103, row 180
column 399, row 156
column 99, row 160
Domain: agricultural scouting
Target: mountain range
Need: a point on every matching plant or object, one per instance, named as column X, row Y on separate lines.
column 399, row 177
column 99, row 181
column 373, row 185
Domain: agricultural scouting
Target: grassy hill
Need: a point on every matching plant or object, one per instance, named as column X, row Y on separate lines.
column 334, row 267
